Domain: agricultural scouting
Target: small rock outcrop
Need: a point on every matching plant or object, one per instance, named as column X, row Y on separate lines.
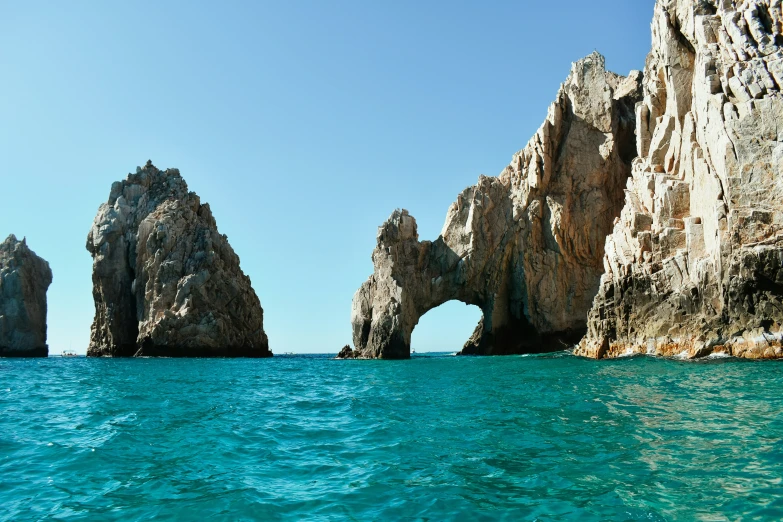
column 526, row 246
column 24, row 280
column 694, row 265
column 347, row 353
column 165, row 282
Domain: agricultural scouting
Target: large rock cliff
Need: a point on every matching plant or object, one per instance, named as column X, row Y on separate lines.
column 526, row 246
column 24, row 280
column 165, row 282
column 694, row 264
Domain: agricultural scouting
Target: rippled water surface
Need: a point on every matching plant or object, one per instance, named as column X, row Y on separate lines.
column 434, row 438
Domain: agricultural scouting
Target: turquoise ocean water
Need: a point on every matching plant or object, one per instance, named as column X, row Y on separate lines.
column 435, row 438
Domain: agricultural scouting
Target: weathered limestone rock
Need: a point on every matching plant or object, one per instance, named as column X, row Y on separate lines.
column 165, row 282
column 24, row 280
column 694, row 263
column 526, row 246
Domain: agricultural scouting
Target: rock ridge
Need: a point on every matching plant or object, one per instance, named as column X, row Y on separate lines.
column 24, row 281
column 165, row 281
column 693, row 266
column 526, row 246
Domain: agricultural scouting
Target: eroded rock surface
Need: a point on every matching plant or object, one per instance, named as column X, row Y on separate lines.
column 165, row 281
column 694, row 264
column 526, row 246
column 24, row 280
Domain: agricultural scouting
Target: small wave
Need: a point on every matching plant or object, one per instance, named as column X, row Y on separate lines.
column 629, row 352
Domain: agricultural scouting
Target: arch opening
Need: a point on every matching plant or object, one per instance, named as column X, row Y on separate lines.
column 445, row 328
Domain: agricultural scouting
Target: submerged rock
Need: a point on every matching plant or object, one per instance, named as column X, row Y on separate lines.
column 526, row 246
column 694, row 265
column 165, row 282
column 24, row 280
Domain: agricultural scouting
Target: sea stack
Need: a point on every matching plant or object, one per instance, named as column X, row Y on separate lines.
column 526, row 246
column 24, row 280
column 165, row 281
column 694, row 264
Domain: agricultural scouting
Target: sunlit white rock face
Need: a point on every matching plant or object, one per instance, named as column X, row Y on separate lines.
column 165, row 281
column 693, row 264
column 24, row 280
column 526, row 246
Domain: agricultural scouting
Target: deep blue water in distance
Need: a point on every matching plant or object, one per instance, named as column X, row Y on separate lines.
column 550, row 437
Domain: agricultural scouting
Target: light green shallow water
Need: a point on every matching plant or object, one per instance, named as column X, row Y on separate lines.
column 434, row 438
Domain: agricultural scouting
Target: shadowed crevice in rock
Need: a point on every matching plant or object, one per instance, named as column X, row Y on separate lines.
column 165, row 281
column 24, row 281
column 525, row 246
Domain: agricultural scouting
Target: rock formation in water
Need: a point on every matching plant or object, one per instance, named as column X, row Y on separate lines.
column 165, row 282
column 347, row 353
column 694, row 264
column 527, row 246
column 24, row 280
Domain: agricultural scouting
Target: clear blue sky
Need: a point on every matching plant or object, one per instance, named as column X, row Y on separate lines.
column 304, row 124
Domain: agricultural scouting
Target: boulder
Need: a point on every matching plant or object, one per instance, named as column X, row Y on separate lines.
column 165, row 281
column 24, row 280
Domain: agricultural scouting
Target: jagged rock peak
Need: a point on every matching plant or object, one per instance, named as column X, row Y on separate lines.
column 165, row 281
column 693, row 265
column 24, row 280
column 526, row 246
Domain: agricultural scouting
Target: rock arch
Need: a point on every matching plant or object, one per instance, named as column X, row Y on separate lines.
column 527, row 246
